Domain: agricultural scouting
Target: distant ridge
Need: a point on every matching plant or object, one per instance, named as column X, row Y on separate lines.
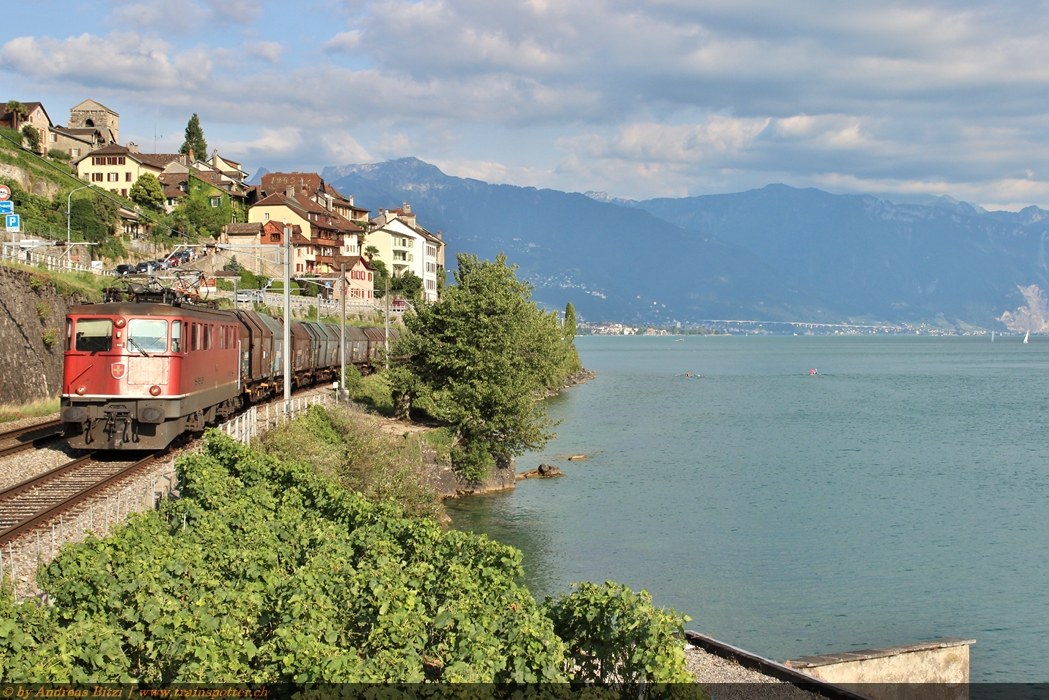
column 775, row 253
column 256, row 179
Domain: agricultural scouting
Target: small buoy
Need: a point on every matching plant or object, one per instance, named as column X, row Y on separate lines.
column 812, row 371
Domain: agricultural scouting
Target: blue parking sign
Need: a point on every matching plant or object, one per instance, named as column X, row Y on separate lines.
column 14, row 222
column 7, row 207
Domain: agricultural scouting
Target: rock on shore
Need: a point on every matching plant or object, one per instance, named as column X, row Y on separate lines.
column 543, row 471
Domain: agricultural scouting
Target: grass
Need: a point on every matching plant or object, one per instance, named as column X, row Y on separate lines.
column 374, row 391
column 351, row 448
column 33, row 409
column 87, row 285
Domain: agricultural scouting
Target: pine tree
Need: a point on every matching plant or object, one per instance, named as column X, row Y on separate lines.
column 195, row 139
column 569, row 321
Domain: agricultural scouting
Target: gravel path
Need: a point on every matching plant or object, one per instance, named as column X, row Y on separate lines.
column 723, row 679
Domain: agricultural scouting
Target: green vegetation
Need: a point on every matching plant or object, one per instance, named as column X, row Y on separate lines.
column 478, row 359
column 83, row 284
column 33, row 409
column 266, row 571
column 147, row 192
column 616, row 636
column 49, row 336
column 348, row 447
column 194, row 139
column 570, row 323
column 32, row 138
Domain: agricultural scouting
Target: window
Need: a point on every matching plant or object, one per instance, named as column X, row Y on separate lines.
column 176, row 336
column 148, row 335
column 98, row 160
column 112, row 177
column 215, row 201
column 74, row 152
column 52, row 137
column 96, row 177
column 127, row 177
column 94, row 335
column 69, row 334
column 208, row 332
column 431, row 285
column 195, row 337
column 123, row 193
column 274, row 237
column 400, row 255
column 265, row 217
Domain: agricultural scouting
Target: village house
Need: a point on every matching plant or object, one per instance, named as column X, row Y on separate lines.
column 403, row 245
column 314, row 187
column 37, row 118
column 330, row 233
column 116, row 167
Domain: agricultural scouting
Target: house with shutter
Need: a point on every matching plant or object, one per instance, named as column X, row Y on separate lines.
column 404, row 245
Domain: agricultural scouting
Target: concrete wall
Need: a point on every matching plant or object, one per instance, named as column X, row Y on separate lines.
column 934, row 669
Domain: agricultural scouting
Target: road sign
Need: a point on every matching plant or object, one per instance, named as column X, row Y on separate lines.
column 7, row 207
column 14, row 222
column 5, row 193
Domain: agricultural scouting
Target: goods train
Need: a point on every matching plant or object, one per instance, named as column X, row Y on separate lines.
column 149, row 364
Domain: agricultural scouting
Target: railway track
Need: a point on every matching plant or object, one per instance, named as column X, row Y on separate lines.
column 37, row 500
column 29, row 437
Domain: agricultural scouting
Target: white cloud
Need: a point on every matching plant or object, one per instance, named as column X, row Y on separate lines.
column 269, row 51
column 121, row 59
column 343, row 42
column 182, row 16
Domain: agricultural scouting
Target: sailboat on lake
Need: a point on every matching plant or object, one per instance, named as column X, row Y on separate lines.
column 1027, row 337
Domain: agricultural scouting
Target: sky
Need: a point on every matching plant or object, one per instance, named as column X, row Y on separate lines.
column 665, row 98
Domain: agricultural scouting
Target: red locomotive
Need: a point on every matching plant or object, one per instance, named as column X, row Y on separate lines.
column 146, row 367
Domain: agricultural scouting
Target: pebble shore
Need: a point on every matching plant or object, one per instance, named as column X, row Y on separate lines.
column 724, row 679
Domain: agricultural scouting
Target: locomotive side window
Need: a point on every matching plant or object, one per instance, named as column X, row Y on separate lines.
column 195, row 327
column 148, row 335
column 176, row 336
column 207, row 336
column 94, row 335
column 69, row 335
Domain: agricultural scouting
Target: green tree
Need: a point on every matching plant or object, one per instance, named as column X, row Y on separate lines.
column 18, row 111
column 194, row 139
column 147, row 192
column 196, row 215
column 380, row 278
column 409, row 284
column 477, row 359
column 569, row 329
column 32, row 137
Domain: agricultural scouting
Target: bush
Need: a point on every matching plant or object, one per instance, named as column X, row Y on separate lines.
column 59, row 154
column 617, row 637
column 49, row 336
column 42, row 309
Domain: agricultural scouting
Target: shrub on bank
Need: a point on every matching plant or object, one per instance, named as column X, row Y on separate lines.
column 267, row 571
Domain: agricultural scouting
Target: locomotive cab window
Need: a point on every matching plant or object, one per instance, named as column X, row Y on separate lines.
column 147, row 335
column 94, row 335
column 176, row 336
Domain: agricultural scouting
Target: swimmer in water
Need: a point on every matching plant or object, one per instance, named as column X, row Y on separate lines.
column 688, row 374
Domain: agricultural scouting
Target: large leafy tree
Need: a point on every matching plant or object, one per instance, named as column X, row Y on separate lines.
column 147, row 192
column 195, row 139
column 477, row 360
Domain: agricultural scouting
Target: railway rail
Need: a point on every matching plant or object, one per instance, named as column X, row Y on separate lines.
column 29, row 437
column 43, row 497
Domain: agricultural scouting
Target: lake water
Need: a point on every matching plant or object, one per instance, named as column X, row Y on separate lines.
column 901, row 495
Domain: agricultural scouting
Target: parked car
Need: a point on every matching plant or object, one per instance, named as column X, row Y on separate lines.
column 142, row 267
column 124, row 269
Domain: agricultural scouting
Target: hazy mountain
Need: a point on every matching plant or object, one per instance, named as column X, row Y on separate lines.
column 256, row 179
column 777, row 253
column 872, row 258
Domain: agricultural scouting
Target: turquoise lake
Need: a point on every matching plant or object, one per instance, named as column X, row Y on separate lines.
column 901, row 495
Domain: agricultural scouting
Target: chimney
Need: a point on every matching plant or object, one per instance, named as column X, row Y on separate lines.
column 351, row 200
column 214, row 153
column 132, row 147
column 289, row 191
column 406, row 207
column 438, row 233
column 191, row 159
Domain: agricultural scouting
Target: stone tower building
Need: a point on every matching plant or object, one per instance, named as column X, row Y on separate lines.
column 90, row 114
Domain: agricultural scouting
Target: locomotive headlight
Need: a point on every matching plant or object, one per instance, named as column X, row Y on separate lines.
column 81, row 390
column 154, row 390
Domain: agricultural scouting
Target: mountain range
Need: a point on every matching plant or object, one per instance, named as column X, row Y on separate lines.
column 776, row 253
